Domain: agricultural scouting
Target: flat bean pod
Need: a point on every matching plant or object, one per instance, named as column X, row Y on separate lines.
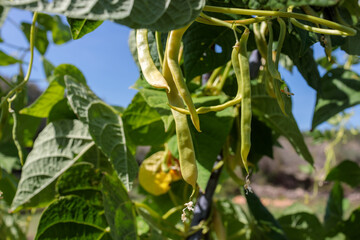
column 148, row 68
column 246, row 113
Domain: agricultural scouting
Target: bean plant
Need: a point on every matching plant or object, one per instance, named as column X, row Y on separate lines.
column 208, row 116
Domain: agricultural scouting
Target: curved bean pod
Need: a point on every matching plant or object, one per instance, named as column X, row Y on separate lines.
column 148, row 68
column 173, row 48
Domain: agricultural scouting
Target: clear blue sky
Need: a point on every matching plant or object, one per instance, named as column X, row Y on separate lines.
column 104, row 58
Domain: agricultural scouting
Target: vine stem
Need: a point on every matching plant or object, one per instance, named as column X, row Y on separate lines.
column 20, row 86
column 338, row 28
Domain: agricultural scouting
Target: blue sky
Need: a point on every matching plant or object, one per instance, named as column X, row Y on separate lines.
column 105, row 59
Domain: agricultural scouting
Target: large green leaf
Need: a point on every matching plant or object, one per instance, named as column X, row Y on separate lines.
column 42, row 106
column 302, row 225
column 339, row 89
column 56, row 148
column 106, row 128
column 334, row 210
column 162, row 15
column 72, row 218
column 6, row 59
column 199, row 48
column 270, row 227
column 347, row 172
column 83, row 180
column 267, row 110
column 143, row 124
column 119, row 210
column 41, row 40
column 81, row 27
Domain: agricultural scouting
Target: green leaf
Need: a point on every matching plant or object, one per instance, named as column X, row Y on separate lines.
column 81, row 27
column 199, row 48
column 143, row 124
column 267, row 110
column 83, row 180
column 48, row 67
column 60, row 32
column 270, row 227
column 352, row 225
column 347, row 172
column 305, row 63
column 72, row 218
column 46, row 21
column 8, row 185
column 334, row 210
column 119, row 210
column 348, row 46
column 42, row 106
column 215, row 128
column 61, row 110
column 302, row 225
column 80, row 97
column 41, row 40
column 232, row 216
column 160, row 224
column 160, row 15
column 106, row 128
column 56, row 148
column 68, row 69
column 6, row 60
column 8, row 156
column 339, row 89
column 157, row 100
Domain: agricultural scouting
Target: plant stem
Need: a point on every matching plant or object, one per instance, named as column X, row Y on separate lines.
column 20, row 86
column 336, row 26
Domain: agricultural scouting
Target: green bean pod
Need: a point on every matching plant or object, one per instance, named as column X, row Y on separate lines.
column 280, row 41
column 246, row 114
column 236, row 67
column 173, row 48
column 186, row 149
column 275, row 75
column 148, row 68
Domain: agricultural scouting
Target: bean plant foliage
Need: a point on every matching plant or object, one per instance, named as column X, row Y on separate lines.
column 210, row 104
